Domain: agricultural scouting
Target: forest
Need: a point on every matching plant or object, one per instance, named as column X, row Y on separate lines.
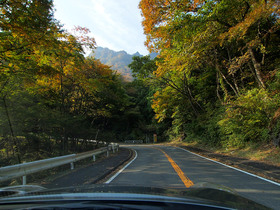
column 217, row 75
column 215, row 79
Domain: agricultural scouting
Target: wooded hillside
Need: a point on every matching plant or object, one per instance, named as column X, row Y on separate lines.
column 217, row 76
column 51, row 94
column 216, row 79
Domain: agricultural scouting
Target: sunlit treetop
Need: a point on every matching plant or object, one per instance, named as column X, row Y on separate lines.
column 159, row 15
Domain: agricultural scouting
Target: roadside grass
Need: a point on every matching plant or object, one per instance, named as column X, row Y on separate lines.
column 266, row 153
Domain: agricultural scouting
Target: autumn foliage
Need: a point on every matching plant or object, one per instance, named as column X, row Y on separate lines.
column 218, row 68
column 51, row 95
column 216, row 79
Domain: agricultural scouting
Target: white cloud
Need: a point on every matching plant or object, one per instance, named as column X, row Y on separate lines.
column 115, row 24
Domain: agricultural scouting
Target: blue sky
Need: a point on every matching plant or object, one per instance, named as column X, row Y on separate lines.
column 115, row 24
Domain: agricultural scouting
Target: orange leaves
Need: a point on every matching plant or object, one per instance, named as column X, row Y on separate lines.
column 156, row 14
column 258, row 10
column 157, row 17
column 82, row 30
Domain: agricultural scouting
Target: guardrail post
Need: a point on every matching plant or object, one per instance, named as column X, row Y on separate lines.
column 117, row 148
column 24, row 177
column 23, row 180
column 72, row 166
column 93, row 158
column 113, row 148
column 108, row 151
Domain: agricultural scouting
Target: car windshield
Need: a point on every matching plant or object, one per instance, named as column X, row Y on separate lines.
column 161, row 94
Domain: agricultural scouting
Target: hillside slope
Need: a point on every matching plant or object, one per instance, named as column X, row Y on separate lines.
column 118, row 60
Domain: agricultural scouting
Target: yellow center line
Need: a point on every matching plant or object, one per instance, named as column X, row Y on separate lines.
column 187, row 182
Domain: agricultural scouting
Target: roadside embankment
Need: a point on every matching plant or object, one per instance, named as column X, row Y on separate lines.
column 261, row 168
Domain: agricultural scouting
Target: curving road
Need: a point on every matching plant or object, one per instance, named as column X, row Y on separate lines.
column 172, row 167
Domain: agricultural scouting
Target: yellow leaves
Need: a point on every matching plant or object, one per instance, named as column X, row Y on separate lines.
column 45, row 84
column 258, row 10
column 237, row 63
column 164, row 101
column 156, row 94
column 159, row 105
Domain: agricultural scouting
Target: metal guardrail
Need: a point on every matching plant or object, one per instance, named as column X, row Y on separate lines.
column 14, row 171
column 133, row 141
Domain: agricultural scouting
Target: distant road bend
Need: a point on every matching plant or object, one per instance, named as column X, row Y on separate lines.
column 172, row 167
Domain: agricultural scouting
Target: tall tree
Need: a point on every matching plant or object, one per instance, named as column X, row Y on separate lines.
column 211, row 51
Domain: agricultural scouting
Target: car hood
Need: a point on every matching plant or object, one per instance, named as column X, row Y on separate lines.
column 208, row 194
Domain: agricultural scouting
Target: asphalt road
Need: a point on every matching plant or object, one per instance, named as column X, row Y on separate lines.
column 162, row 166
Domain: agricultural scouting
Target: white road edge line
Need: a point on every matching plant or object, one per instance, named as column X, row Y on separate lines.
column 121, row 170
column 245, row 172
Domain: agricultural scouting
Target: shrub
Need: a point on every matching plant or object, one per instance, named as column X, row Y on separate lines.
column 248, row 117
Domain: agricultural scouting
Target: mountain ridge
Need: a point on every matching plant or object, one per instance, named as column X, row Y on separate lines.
column 118, row 60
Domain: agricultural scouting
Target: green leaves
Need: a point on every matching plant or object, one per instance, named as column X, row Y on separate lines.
column 215, row 55
column 247, row 117
column 143, row 67
column 49, row 87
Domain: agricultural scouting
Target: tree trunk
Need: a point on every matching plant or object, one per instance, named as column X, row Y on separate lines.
column 188, row 96
column 235, row 84
column 257, row 67
column 185, row 93
column 96, row 135
column 189, row 92
column 218, row 87
column 223, row 76
column 16, row 149
column 225, row 79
